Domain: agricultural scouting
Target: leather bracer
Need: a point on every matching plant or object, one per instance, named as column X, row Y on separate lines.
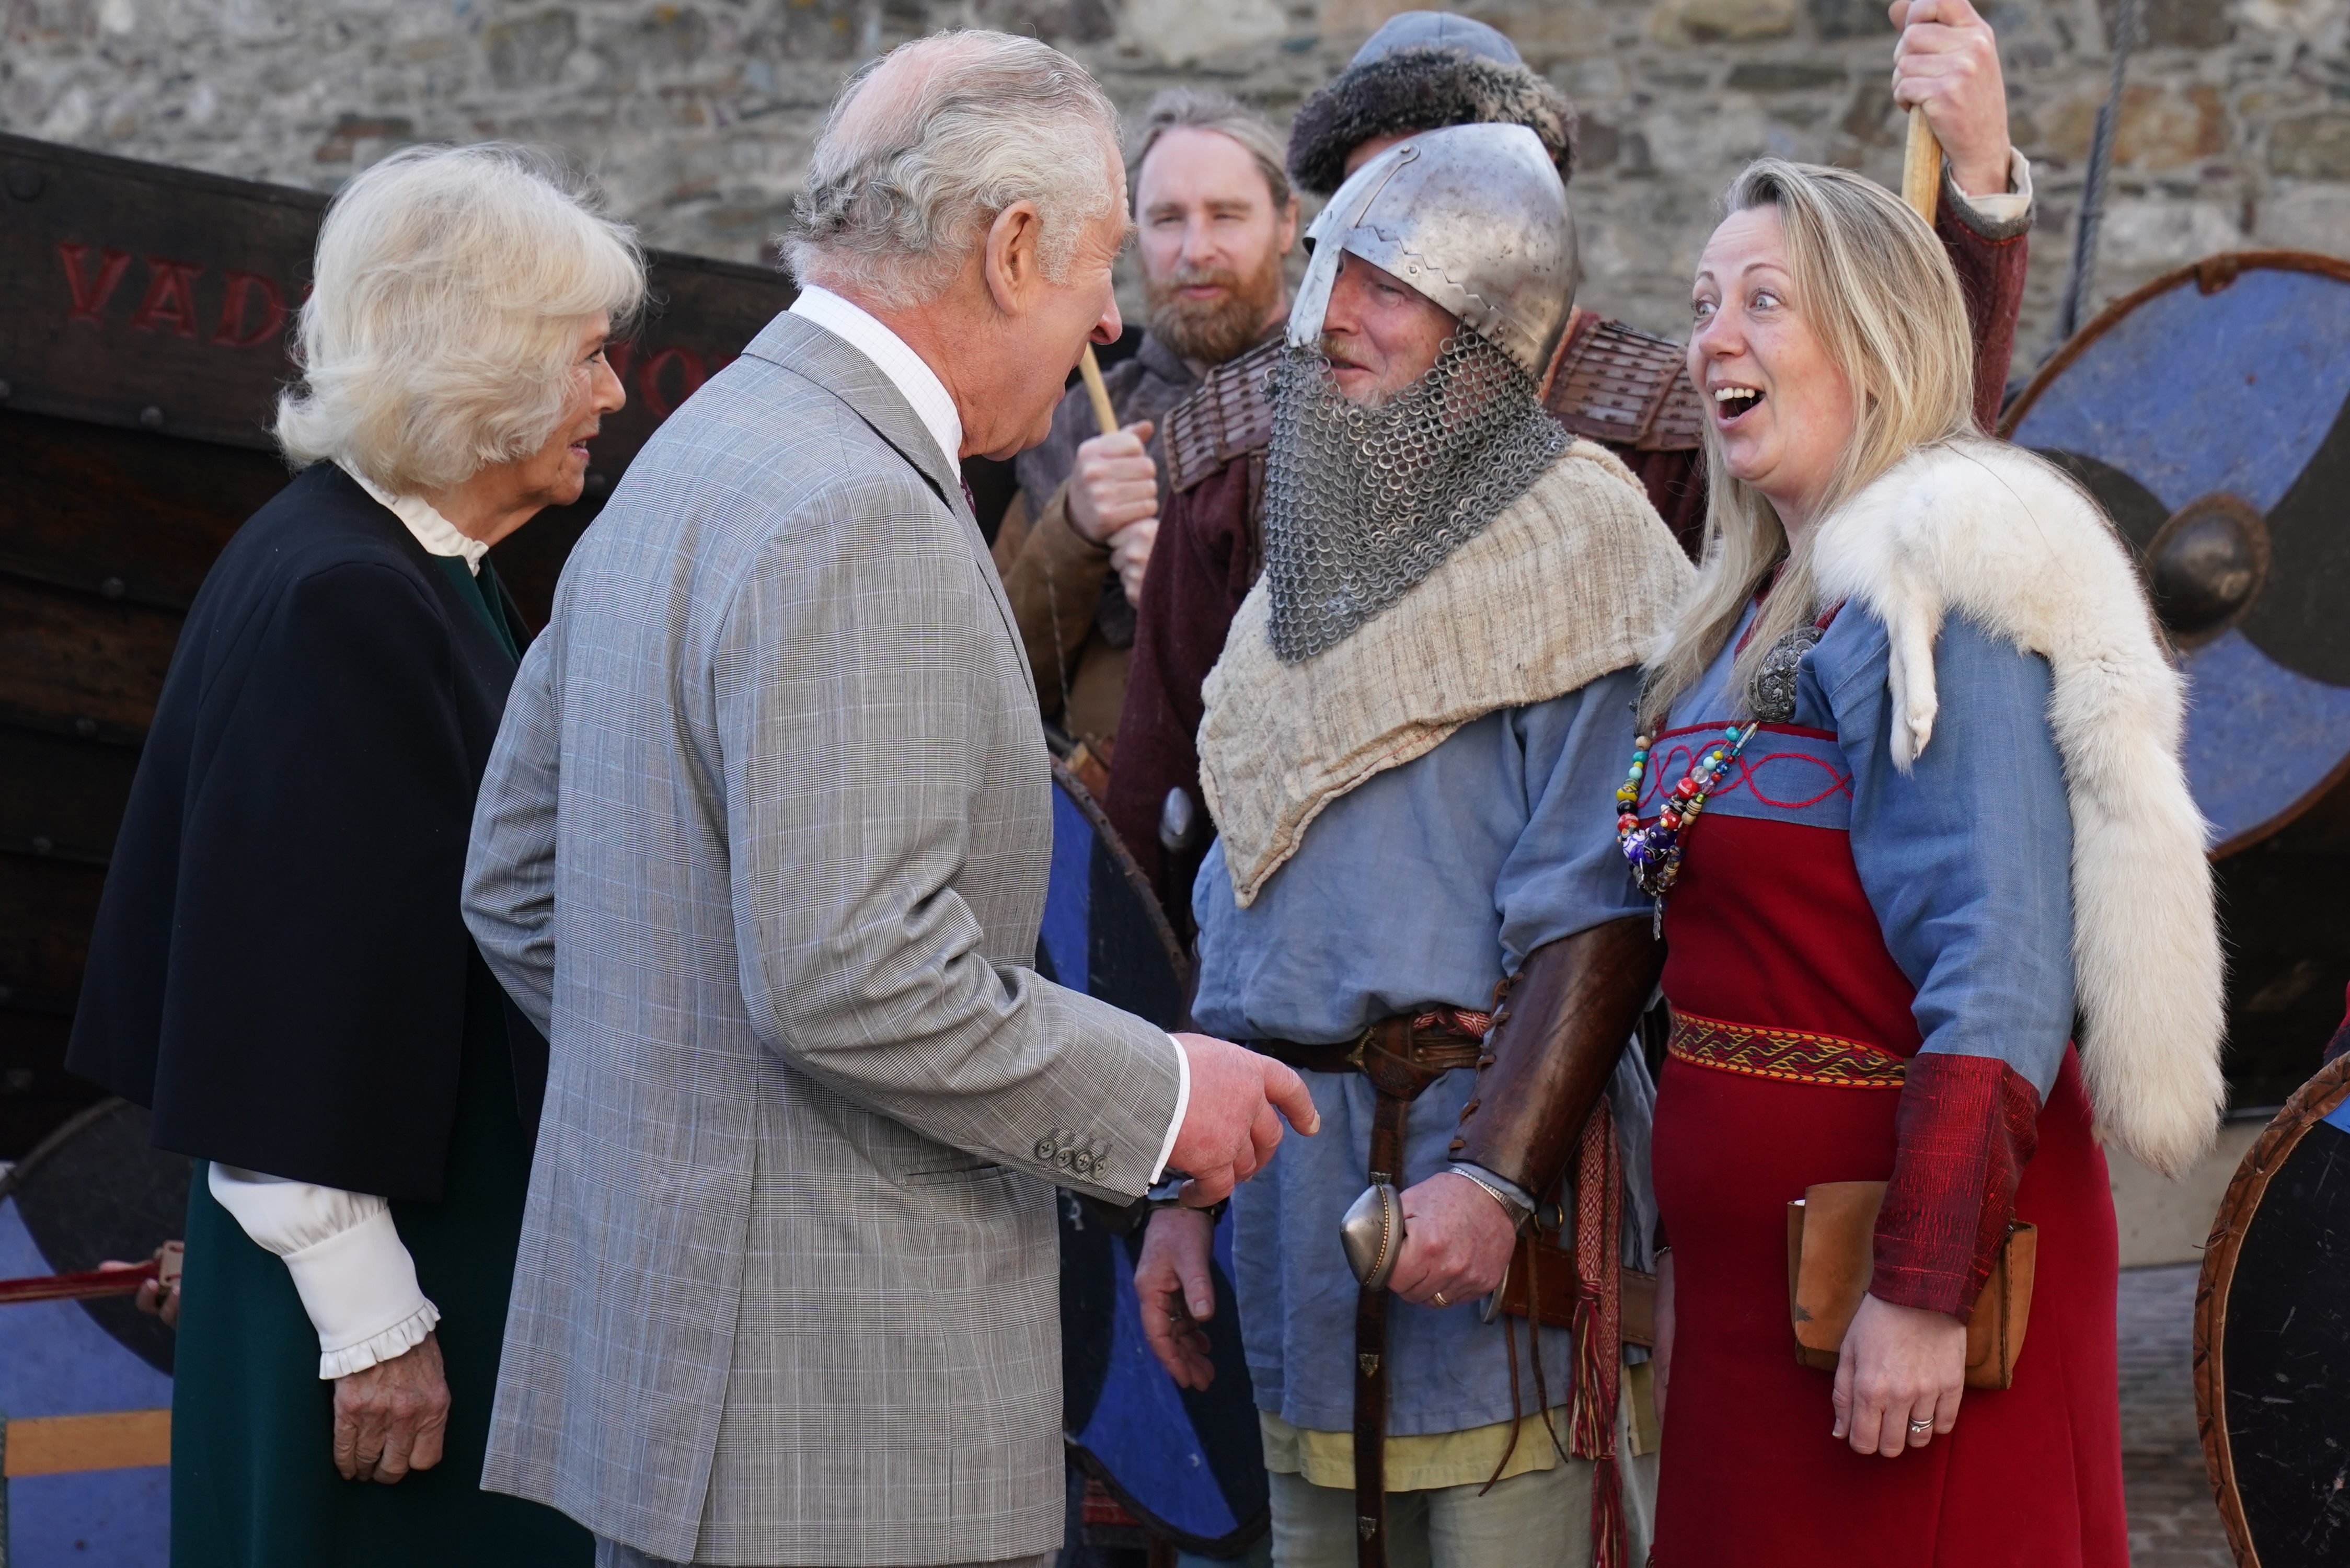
column 1564, row 1021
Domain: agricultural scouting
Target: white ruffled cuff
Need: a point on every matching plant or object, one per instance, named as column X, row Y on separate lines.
column 358, row 1287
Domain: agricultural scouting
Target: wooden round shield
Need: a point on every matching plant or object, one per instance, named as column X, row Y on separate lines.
column 2207, row 413
column 92, row 1190
column 1187, row 1465
column 2272, row 1337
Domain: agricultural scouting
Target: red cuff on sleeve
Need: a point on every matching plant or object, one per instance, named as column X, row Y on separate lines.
column 1967, row 1128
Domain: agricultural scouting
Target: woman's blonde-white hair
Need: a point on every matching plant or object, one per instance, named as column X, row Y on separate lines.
column 1872, row 282
column 928, row 145
column 442, row 331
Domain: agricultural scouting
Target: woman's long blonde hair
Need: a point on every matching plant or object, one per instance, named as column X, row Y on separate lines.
column 1871, row 280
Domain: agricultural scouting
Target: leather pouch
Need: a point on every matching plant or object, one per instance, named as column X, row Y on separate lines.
column 1831, row 1256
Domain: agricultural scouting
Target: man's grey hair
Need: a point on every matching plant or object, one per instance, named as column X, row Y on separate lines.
column 1205, row 109
column 929, row 144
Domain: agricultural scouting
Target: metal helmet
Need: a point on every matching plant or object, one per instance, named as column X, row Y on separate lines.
column 1474, row 217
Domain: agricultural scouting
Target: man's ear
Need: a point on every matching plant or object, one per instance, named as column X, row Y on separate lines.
column 1285, row 226
column 1009, row 257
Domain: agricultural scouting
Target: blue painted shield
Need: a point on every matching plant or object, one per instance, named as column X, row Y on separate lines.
column 2207, row 413
column 93, row 1190
column 1187, row 1465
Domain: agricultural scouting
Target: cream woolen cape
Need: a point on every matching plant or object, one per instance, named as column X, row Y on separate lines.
column 1989, row 532
column 1574, row 579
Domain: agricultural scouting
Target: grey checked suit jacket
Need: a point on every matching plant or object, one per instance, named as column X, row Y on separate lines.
column 763, row 848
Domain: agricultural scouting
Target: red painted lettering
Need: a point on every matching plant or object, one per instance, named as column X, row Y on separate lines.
column 90, row 295
column 649, row 379
column 171, row 302
column 237, row 305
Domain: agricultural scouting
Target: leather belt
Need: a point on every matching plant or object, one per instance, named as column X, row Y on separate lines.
column 1402, row 1056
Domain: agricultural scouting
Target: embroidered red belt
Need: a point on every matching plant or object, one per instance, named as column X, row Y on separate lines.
column 1790, row 1056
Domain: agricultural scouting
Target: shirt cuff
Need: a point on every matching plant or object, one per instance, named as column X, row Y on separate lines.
column 1182, row 1104
column 355, row 1279
column 359, row 1288
column 2000, row 209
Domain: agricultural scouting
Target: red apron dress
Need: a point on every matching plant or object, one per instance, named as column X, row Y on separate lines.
column 1792, row 1027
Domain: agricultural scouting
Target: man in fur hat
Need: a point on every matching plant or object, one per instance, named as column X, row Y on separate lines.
column 1626, row 388
column 1418, row 702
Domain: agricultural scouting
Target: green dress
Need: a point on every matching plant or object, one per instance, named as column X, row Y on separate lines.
column 254, row 1483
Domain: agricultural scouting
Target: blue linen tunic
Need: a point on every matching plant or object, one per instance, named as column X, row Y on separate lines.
column 1967, row 859
column 1424, row 885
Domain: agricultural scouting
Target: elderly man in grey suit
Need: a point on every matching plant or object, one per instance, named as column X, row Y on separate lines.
column 762, row 847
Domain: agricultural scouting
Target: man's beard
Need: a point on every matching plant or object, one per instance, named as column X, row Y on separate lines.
column 1362, row 502
column 1209, row 332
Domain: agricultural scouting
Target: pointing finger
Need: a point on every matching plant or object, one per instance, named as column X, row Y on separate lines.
column 1290, row 1095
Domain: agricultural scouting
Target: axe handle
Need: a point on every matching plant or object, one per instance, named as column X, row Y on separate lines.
column 1090, row 368
column 1922, row 169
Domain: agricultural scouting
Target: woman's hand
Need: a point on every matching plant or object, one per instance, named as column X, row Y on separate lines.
column 1178, row 1293
column 389, row 1418
column 1663, row 1352
column 1900, row 1367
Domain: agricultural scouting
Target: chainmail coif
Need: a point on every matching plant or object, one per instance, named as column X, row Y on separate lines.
column 1362, row 503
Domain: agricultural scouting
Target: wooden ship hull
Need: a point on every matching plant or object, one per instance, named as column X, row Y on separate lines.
column 144, row 317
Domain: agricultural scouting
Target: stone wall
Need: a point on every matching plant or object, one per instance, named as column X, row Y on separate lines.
column 2235, row 130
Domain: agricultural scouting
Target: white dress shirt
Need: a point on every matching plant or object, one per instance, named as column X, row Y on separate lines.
column 921, row 387
column 355, row 1277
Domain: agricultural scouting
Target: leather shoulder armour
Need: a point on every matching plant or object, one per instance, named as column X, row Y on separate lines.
column 1228, row 415
column 1628, row 388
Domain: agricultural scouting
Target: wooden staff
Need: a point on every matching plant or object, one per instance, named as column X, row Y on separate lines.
column 91, row 1286
column 1921, row 172
column 1090, row 368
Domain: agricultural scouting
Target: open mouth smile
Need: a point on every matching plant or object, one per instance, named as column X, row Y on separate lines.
column 1731, row 404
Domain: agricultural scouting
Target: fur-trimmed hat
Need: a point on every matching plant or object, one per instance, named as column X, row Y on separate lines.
column 1423, row 70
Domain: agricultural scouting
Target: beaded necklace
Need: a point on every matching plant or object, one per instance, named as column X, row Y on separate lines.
column 1655, row 851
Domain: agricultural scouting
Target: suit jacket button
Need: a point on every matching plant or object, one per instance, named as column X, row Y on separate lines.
column 1044, row 1148
column 1064, row 1158
column 1083, row 1163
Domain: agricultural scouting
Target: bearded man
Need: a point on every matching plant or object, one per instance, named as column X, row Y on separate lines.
column 1422, row 702
column 1216, row 216
column 1626, row 388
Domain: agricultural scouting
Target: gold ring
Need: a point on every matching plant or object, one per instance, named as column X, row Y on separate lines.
column 1439, row 1299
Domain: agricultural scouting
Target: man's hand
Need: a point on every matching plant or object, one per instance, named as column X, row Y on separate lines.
column 1948, row 64
column 1178, row 1293
column 1129, row 555
column 1899, row 1364
column 390, row 1419
column 1456, row 1242
column 1114, row 484
column 1230, row 1128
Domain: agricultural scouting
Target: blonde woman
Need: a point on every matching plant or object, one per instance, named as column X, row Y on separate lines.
column 279, row 967
column 1908, row 793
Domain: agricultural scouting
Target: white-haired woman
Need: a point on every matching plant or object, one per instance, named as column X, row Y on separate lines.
column 279, row 967
column 1909, row 791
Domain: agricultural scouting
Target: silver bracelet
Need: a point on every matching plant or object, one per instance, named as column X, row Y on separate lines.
column 1518, row 1213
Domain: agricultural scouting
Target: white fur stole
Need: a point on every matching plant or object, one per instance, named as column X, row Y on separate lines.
column 1987, row 531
